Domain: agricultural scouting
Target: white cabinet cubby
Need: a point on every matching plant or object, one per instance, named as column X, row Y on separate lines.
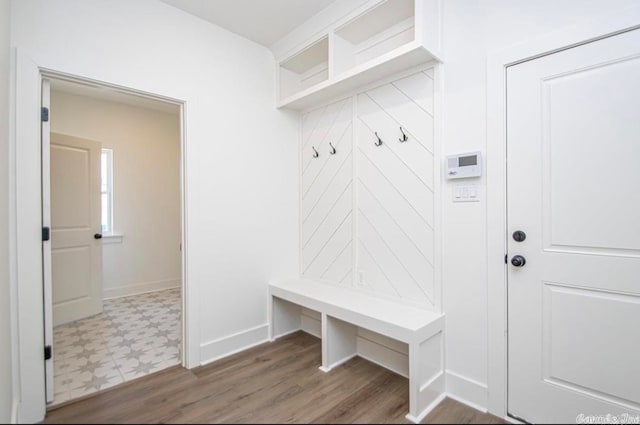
column 305, row 69
column 380, row 39
column 378, row 31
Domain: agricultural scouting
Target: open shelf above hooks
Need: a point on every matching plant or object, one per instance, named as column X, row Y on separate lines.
column 387, row 37
column 305, row 69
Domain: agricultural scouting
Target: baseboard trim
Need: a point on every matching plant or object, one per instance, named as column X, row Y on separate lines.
column 233, row 344
column 425, row 412
column 140, row 288
column 338, row 363
column 274, row 337
column 511, row 420
column 384, row 356
column 467, row 391
column 383, row 364
column 15, row 411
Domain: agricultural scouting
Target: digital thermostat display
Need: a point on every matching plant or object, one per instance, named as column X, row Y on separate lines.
column 464, row 166
column 465, row 161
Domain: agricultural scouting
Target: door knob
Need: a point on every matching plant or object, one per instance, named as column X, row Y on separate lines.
column 518, row 261
column 519, row 236
column 98, row 236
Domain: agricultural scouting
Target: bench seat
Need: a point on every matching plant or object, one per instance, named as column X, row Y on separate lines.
column 343, row 311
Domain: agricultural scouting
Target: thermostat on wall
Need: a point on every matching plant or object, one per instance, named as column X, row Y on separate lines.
column 464, row 165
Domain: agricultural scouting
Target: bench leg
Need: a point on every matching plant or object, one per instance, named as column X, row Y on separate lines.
column 285, row 318
column 339, row 342
column 426, row 377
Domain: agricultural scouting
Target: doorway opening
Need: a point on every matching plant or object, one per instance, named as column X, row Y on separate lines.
column 112, row 197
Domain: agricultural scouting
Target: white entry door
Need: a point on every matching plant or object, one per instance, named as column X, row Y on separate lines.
column 76, row 247
column 573, row 131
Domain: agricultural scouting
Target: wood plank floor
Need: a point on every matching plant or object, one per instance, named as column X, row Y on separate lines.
column 273, row 383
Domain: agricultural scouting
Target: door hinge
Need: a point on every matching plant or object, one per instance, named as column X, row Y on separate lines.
column 47, row 352
column 44, row 114
column 46, row 234
column 506, row 256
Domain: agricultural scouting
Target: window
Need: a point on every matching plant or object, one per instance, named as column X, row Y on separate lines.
column 106, row 167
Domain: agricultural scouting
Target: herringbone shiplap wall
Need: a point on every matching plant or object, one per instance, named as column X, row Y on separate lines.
column 391, row 230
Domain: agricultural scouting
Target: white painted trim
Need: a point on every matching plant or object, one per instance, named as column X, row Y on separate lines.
column 378, row 83
column 140, row 288
column 282, row 335
column 15, row 409
column 382, row 363
column 27, row 245
column 190, row 322
column 428, row 409
column 438, row 183
column 467, row 391
column 114, row 238
column 497, row 63
column 233, row 344
column 300, row 145
column 512, row 420
column 13, row 257
column 355, row 199
column 338, row 363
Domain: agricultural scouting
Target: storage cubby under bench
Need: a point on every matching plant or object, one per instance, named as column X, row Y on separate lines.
column 343, row 311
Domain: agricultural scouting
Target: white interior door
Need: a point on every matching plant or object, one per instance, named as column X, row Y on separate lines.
column 573, row 131
column 76, row 247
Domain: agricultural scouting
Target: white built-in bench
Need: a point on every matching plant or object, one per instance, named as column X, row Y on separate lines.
column 352, row 322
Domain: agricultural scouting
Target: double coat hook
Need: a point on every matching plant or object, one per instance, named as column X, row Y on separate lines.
column 404, row 137
column 316, row 154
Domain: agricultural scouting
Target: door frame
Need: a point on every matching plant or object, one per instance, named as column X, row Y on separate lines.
column 26, row 271
column 498, row 62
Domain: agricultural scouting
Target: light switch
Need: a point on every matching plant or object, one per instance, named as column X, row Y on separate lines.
column 466, row 192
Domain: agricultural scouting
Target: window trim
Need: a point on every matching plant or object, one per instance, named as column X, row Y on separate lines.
column 109, row 192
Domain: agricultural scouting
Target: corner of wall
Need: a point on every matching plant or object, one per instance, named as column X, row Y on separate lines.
column 467, row 391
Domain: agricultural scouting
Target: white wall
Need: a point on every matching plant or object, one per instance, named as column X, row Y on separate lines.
column 6, row 387
column 241, row 152
column 472, row 30
column 146, row 184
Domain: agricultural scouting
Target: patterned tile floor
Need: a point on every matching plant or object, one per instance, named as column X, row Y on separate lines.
column 133, row 337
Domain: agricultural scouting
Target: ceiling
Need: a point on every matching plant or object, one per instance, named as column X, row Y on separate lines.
column 263, row 21
column 112, row 95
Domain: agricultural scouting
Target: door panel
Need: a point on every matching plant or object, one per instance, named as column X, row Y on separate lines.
column 578, row 314
column 573, row 154
column 75, row 216
column 71, row 187
column 70, row 271
column 590, row 148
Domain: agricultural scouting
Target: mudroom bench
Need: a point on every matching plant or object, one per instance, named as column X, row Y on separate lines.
column 406, row 339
